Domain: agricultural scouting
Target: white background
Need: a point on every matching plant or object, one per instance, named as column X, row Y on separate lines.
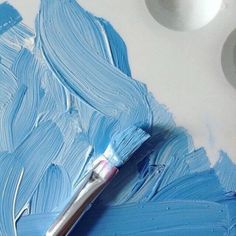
column 182, row 69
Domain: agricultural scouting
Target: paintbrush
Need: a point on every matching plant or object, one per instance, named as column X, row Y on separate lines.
column 104, row 168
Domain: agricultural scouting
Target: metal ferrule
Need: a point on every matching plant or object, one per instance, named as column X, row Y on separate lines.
column 90, row 187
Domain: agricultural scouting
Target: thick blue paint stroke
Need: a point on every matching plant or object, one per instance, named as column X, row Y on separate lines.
column 117, row 47
column 29, row 73
column 62, row 99
column 36, row 154
column 8, row 118
column 35, row 224
column 50, row 199
column 11, row 174
column 83, row 70
column 12, row 41
column 161, row 218
column 8, row 17
column 226, row 171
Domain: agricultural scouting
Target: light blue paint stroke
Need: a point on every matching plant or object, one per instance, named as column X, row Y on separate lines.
column 108, row 121
column 162, row 218
column 226, row 170
column 117, row 46
column 54, row 93
column 124, row 144
column 62, row 99
column 162, row 120
column 11, row 175
column 9, row 17
column 231, row 205
column 52, row 192
column 76, row 158
column 29, row 73
column 7, row 118
column 12, row 41
column 98, row 128
column 83, row 71
column 35, row 155
column 8, row 86
column 169, row 153
column 148, row 180
column 198, row 160
column 50, row 107
column 35, row 224
column 193, row 186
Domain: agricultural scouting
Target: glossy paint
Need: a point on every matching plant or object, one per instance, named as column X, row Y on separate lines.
column 64, row 92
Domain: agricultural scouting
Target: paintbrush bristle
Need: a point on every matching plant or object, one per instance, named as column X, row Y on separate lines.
column 124, row 144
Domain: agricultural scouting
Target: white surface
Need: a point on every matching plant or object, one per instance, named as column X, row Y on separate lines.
column 184, row 15
column 183, row 70
column 228, row 58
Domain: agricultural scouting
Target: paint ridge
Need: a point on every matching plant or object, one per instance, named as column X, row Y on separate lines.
column 9, row 17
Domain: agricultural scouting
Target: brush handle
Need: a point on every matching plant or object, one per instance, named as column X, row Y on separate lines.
column 90, row 188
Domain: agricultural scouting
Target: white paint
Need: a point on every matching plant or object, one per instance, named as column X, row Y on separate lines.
column 183, row 14
column 182, row 69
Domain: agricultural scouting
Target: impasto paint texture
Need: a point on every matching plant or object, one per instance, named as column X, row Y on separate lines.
column 65, row 90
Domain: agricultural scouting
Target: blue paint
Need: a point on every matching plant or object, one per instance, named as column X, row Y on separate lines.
column 11, row 175
column 51, row 199
column 63, row 97
column 123, row 145
column 117, row 47
column 12, row 41
column 86, row 71
column 158, row 218
column 226, row 171
column 8, row 17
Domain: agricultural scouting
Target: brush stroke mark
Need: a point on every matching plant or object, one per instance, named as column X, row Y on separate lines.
column 84, row 70
column 12, row 41
column 226, row 171
column 36, row 154
column 35, row 224
column 8, row 17
column 119, row 117
column 8, row 88
column 11, row 176
column 29, row 73
column 52, row 192
column 117, row 47
column 159, row 218
column 64, row 92
column 8, row 117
